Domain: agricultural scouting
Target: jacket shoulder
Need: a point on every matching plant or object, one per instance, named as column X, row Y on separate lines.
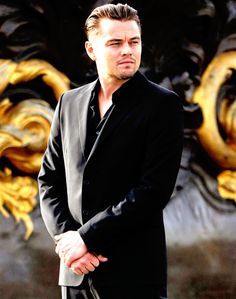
column 165, row 107
column 159, row 96
column 76, row 93
column 160, row 90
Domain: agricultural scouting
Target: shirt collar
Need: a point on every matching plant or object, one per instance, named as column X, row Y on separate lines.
column 94, row 94
column 130, row 87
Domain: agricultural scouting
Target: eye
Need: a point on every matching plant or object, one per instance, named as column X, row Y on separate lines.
column 134, row 42
column 115, row 43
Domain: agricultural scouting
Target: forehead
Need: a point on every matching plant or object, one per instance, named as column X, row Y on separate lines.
column 118, row 29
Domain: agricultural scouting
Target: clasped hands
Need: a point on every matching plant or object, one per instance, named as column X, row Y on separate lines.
column 74, row 253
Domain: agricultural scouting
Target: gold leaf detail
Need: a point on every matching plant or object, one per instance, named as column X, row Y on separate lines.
column 17, row 196
column 227, row 184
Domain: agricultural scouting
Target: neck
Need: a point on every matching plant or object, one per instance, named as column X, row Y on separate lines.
column 109, row 86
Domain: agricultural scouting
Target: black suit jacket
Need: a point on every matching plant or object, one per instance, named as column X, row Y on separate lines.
column 115, row 198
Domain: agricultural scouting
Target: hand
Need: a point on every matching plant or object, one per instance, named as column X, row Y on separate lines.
column 87, row 263
column 70, row 247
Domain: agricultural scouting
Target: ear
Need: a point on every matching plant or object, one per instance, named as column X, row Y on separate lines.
column 89, row 50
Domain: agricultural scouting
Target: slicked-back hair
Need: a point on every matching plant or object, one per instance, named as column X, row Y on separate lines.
column 120, row 12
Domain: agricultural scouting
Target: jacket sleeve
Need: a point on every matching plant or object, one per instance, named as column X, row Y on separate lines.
column 52, row 183
column 144, row 203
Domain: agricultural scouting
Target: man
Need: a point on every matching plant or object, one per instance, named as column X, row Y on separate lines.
column 110, row 168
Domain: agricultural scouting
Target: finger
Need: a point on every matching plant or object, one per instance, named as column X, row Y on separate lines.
column 60, row 252
column 68, row 260
column 57, row 237
column 70, row 256
column 62, row 236
column 77, row 271
column 83, row 264
column 62, row 248
column 86, row 264
column 65, row 248
column 85, row 270
column 82, row 269
column 102, row 258
column 56, row 249
column 90, row 267
column 63, row 242
column 91, row 258
column 59, row 246
column 94, row 261
column 73, row 254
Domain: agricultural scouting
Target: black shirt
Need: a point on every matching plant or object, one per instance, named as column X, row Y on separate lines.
column 94, row 121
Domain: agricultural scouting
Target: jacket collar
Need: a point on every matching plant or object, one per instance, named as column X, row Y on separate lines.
column 131, row 88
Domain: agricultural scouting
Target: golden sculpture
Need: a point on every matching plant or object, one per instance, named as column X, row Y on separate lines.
column 221, row 150
column 24, row 130
column 227, row 184
column 12, row 73
column 17, row 195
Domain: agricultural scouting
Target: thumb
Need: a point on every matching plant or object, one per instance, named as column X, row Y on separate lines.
column 102, row 258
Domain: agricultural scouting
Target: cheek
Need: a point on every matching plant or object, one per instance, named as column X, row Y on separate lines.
column 108, row 58
column 103, row 62
column 138, row 51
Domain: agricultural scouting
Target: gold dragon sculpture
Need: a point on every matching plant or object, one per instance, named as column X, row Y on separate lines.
column 24, row 130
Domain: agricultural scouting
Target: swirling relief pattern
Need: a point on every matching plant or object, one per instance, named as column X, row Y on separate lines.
column 24, row 130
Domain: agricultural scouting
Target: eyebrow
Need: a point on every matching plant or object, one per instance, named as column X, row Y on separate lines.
column 120, row 39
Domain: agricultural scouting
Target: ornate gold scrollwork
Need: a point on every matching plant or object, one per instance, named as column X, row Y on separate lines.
column 221, row 149
column 12, row 73
column 227, row 184
column 24, row 130
column 17, row 194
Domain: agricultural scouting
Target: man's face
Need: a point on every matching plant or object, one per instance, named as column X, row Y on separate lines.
column 116, row 49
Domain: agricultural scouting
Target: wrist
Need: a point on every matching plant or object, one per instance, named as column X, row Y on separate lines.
column 82, row 245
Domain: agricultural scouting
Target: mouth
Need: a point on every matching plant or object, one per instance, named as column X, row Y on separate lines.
column 126, row 62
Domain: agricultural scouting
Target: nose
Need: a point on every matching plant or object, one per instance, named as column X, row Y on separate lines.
column 126, row 49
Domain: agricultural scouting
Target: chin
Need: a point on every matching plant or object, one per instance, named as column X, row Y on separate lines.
column 127, row 75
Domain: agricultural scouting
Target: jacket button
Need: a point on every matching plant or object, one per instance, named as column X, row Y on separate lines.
column 85, row 212
column 86, row 182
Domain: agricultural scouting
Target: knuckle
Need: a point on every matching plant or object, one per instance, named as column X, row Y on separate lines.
column 83, row 263
column 89, row 255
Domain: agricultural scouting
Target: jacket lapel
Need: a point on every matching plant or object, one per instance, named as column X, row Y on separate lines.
column 83, row 104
